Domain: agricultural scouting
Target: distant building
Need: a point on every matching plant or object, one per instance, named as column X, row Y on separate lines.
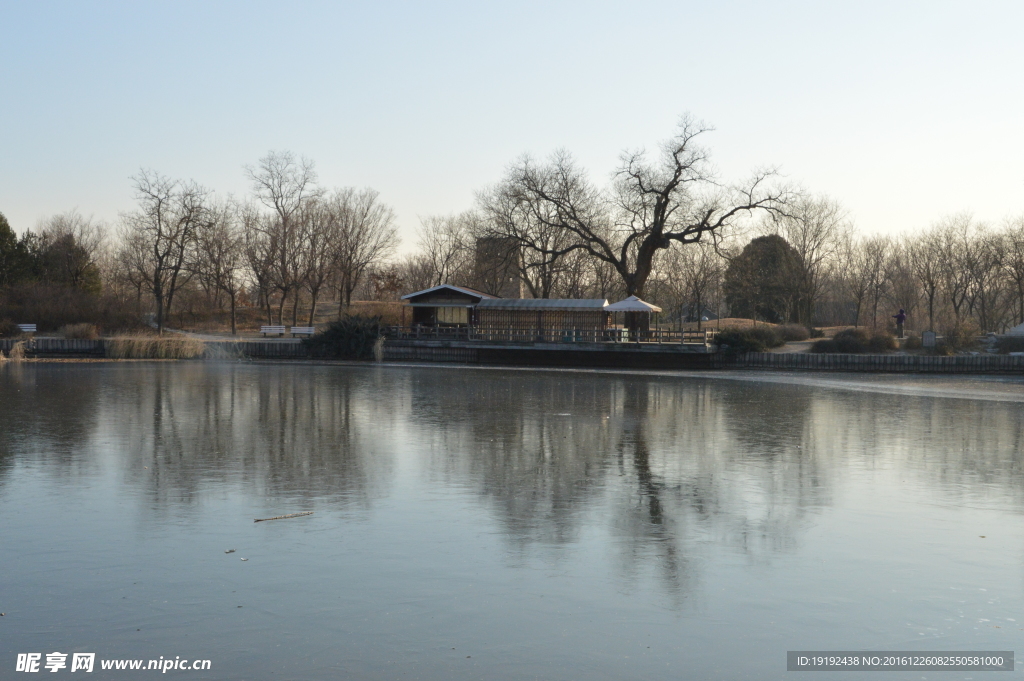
column 542, row 318
column 511, row 318
column 445, row 305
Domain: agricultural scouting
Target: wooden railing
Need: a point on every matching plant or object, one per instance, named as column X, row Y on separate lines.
column 550, row 335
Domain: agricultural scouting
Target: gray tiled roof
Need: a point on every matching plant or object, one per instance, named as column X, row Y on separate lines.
column 542, row 304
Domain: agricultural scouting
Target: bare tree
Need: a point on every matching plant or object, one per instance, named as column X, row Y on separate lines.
column 815, row 227
column 903, row 286
column 416, row 271
column 320, row 234
column 220, row 254
column 924, row 256
column 282, row 183
column 988, row 298
column 677, row 199
column 258, row 248
column 955, row 249
column 1013, row 263
column 446, row 244
column 367, row 234
column 160, row 236
column 693, row 277
column 530, row 237
column 866, row 274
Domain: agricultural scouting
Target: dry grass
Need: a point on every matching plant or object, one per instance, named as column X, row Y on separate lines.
column 389, row 312
column 154, row 347
column 81, row 331
column 727, row 322
column 17, row 352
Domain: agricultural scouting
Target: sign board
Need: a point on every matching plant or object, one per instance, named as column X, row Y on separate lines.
column 928, row 339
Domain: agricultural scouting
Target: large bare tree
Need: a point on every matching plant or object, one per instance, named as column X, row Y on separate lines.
column 676, row 199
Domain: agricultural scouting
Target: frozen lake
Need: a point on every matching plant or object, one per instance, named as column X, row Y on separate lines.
column 504, row 524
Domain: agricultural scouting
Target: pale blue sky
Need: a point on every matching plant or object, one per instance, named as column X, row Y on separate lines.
column 905, row 111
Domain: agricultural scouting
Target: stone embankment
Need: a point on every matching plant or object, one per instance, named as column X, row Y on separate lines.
column 571, row 355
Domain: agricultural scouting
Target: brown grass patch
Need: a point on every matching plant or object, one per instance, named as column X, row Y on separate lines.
column 154, row 347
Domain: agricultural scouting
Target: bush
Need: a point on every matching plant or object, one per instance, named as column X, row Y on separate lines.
column 793, row 332
column 1006, row 344
column 855, row 341
column 752, row 339
column 83, row 331
column 962, row 336
column 352, row 337
column 817, row 333
column 913, row 343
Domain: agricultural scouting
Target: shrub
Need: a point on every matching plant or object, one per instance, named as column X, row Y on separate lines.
column 352, row 337
column 855, row 341
column 1006, row 344
column 882, row 341
column 793, row 332
column 84, row 331
column 18, row 351
column 962, row 336
column 913, row 343
column 752, row 339
column 817, row 333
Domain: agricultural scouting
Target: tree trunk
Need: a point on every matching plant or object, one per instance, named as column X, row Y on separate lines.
column 280, row 307
column 234, row 326
column 312, row 306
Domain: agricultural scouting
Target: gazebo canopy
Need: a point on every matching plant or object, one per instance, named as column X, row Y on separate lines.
column 632, row 304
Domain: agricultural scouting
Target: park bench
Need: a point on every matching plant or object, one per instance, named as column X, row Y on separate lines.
column 27, row 328
column 279, row 330
column 303, row 330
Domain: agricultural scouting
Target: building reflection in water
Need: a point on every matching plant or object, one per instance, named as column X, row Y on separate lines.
column 665, row 466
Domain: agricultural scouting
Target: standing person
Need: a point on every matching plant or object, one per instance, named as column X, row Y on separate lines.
column 900, row 317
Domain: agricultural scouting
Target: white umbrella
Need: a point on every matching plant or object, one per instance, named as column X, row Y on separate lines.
column 632, row 304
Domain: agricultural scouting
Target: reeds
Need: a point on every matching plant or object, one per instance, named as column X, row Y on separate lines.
column 154, row 347
column 17, row 352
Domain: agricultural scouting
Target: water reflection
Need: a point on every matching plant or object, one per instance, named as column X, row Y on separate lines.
column 665, row 466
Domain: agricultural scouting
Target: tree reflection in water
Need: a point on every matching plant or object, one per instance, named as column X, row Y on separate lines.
column 664, row 466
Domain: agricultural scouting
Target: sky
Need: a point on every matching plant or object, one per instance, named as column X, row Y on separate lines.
column 903, row 111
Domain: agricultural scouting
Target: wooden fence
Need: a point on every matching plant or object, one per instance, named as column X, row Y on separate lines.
column 549, row 335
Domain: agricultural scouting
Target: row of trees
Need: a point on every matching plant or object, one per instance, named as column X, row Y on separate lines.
column 801, row 262
column 64, row 251
column 665, row 228
column 291, row 241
